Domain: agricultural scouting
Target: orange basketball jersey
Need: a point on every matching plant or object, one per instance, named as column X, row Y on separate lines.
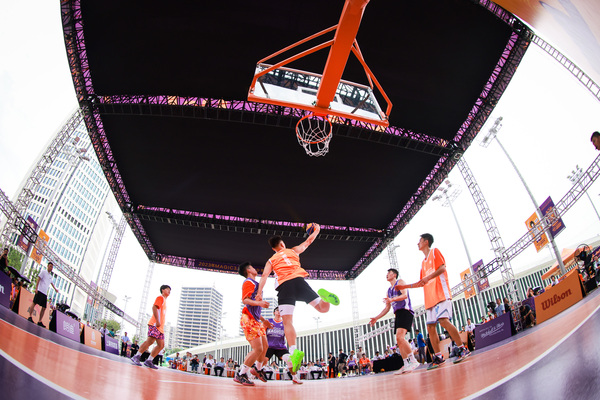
column 286, row 265
column 437, row 289
column 161, row 303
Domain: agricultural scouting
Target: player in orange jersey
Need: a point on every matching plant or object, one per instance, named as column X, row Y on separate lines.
column 291, row 286
column 156, row 329
column 438, row 299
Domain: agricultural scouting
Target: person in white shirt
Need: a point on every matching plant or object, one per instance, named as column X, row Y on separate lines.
column 41, row 290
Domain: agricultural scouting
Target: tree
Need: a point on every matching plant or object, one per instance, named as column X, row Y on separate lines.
column 111, row 325
column 15, row 258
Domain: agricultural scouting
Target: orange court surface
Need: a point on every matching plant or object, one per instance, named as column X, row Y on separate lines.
column 559, row 359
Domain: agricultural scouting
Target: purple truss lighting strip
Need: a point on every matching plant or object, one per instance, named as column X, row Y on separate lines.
column 240, row 105
column 253, row 220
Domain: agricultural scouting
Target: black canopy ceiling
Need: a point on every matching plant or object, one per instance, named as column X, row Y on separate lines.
column 205, row 177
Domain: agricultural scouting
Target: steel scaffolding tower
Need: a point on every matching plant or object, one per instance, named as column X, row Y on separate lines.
column 355, row 325
column 508, row 277
column 10, row 211
column 112, row 256
column 144, row 301
column 37, row 175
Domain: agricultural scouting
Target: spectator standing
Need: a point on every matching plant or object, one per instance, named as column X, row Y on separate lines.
column 422, row 346
column 331, row 366
column 499, row 307
column 4, row 262
column 124, row 343
column 44, row 281
column 341, row 363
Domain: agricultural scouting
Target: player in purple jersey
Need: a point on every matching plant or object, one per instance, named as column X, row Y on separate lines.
column 253, row 325
column 400, row 302
column 277, row 347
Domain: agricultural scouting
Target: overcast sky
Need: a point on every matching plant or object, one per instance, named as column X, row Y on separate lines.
column 548, row 119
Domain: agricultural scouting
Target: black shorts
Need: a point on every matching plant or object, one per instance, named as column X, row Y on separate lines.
column 40, row 299
column 278, row 352
column 404, row 319
column 295, row 289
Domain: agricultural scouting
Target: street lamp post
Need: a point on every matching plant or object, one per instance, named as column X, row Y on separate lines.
column 448, row 196
column 126, row 298
column 319, row 344
column 574, row 177
column 492, row 134
column 221, row 334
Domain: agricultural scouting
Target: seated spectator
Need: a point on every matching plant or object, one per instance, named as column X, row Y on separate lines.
column 315, row 370
column 387, row 354
column 553, row 280
column 527, row 316
column 268, row 370
column 210, row 362
column 530, row 293
column 195, row 363
column 352, row 365
column 219, row 367
column 364, row 364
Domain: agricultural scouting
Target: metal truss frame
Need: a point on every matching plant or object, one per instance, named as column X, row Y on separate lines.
column 39, row 172
column 144, row 302
column 10, row 211
column 112, row 255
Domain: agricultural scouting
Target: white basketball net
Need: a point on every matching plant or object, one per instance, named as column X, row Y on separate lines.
column 314, row 134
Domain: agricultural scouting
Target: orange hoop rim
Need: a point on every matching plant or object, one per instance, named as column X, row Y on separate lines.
column 325, row 117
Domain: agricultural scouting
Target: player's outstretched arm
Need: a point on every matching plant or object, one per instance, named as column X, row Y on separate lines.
column 382, row 313
column 304, row 245
column 263, row 279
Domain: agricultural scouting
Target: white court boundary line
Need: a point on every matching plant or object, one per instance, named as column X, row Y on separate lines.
column 40, row 378
column 532, row 362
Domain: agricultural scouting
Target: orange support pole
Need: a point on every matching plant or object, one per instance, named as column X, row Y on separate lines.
column 340, row 50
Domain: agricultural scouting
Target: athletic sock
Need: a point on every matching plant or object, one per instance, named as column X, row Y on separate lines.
column 439, row 355
column 244, row 369
column 259, row 365
column 292, row 349
column 412, row 358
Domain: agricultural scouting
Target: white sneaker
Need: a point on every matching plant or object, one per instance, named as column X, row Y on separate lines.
column 410, row 367
column 296, row 379
column 400, row 371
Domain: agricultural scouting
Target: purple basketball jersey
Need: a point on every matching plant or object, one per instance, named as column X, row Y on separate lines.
column 276, row 335
column 398, row 305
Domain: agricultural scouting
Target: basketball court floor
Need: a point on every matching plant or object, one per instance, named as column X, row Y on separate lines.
column 559, row 359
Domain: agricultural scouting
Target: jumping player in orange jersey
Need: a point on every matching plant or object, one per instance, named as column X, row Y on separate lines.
column 438, row 299
column 291, row 286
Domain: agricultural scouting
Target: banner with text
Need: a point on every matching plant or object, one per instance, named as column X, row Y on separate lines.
column 484, row 283
column 464, row 276
column 42, row 240
column 493, row 331
column 559, row 297
column 111, row 345
column 547, row 208
column 92, row 337
column 67, row 326
column 541, row 240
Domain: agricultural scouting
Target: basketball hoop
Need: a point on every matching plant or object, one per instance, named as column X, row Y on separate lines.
column 314, row 134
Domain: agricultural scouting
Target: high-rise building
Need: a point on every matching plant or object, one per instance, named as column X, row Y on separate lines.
column 68, row 205
column 199, row 317
column 265, row 313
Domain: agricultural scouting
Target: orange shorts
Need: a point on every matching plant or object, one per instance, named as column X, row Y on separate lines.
column 252, row 328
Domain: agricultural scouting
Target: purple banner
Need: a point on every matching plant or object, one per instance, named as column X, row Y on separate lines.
column 493, row 331
column 547, row 208
column 28, row 236
column 482, row 284
column 5, row 289
column 67, row 326
column 111, row 345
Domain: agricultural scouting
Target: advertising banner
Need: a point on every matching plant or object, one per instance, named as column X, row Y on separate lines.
column 67, row 326
column 558, row 297
column 493, row 331
column 27, row 236
column 111, row 345
column 547, row 208
column 42, row 240
column 5, row 289
column 25, row 300
column 92, row 337
column 541, row 240
column 464, row 276
column 484, row 283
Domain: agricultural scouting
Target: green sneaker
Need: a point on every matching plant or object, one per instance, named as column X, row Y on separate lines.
column 328, row 297
column 296, row 358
